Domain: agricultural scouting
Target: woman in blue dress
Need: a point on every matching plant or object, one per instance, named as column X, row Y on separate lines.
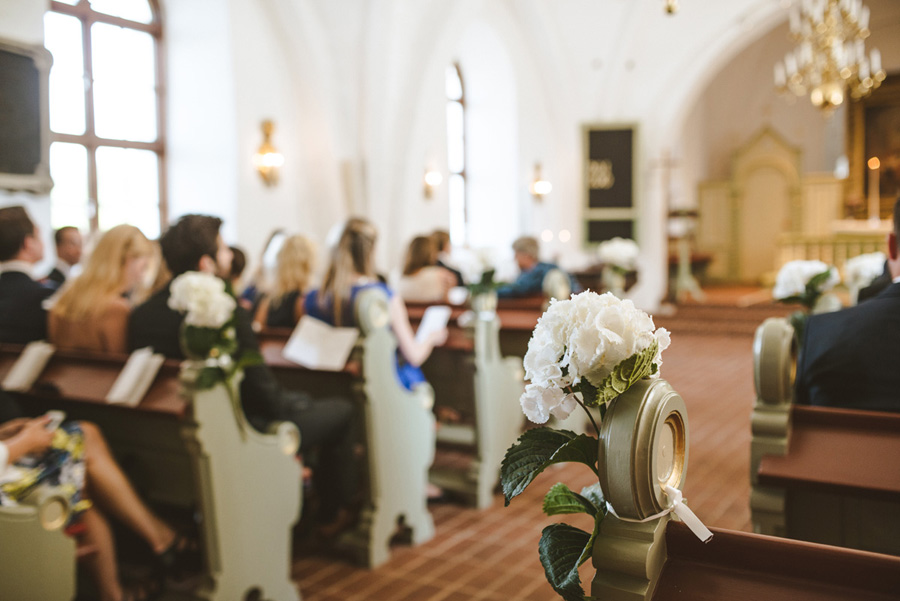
column 352, row 270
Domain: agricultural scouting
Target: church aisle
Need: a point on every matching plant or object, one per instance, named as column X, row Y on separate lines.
column 492, row 555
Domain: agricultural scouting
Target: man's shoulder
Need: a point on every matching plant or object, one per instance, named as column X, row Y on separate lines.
column 23, row 286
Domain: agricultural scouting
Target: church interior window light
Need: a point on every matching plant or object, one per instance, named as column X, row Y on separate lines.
column 106, row 118
column 456, row 155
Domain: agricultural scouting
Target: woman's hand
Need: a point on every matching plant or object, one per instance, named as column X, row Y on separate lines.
column 12, row 427
column 35, row 436
column 438, row 337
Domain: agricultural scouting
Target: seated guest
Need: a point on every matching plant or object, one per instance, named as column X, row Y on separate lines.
column 68, row 254
column 75, row 460
column 261, row 277
column 22, row 316
column 194, row 244
column 235, row 274
column 282, row 305
column 849, row 358
column 423, row 280
column 876, row 286
column 532, row 270
column 352, row 270
column 92, row 310
column 442, row 242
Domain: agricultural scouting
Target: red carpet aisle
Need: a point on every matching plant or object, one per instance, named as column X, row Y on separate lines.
column 492, row 555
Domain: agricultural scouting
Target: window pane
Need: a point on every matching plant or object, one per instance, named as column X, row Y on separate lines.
column 133, row 10
column 124, row 83
column 455, row 152
column 128, row 189
column 70, row 2
column 453, row 84
column 456, row 189
column 69, row 197
column 62, row 37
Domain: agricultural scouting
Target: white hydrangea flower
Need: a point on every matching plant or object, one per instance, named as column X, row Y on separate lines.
column 202, row 296
column 859, row 271
column 583, row 337
column 794, row 275
column 540, row 402
column 621, row 252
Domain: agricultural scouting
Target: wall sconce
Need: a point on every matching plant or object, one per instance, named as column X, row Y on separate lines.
column 431, row 180
column 540, row 187
column 671, row 7
column 268, row 160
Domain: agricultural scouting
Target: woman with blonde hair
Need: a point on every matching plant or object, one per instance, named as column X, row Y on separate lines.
column 352, row 270
column 91, row 312
column 423, row 280
column 282, row 305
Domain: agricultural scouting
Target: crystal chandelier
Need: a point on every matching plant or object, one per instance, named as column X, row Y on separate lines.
column 830, row 56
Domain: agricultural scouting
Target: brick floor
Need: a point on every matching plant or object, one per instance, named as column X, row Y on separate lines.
column 492, row 554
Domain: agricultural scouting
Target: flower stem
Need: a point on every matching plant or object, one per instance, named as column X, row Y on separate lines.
column 590, row 417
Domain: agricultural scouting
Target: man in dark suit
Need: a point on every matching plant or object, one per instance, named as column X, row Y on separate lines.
column 850, row 358
column 531, row 270
column 68, row 255
column 22, row 316
column 194, row 244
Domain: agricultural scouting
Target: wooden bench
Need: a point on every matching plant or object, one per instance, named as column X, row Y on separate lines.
column 193, row 452
column 820, row 474
column 662, row 560
column 399, row 432
column 470, row 375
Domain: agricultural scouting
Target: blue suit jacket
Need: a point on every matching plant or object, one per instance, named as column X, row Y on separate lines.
column 22, row 318
column 851, row 358
column 530, row 282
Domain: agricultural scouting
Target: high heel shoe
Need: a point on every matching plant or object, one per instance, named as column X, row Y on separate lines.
column 179, row 560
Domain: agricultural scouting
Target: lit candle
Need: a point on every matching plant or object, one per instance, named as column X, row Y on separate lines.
column 874, row 192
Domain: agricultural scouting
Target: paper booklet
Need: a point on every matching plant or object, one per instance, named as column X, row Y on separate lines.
column 28, row 366
column 135, row 378
column 317, row 345
column 435, row 318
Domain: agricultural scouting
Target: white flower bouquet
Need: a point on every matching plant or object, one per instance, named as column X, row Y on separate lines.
column 585, row 351
column 619, row 253
column 859, row 271
column 208, row 336
column 804, row 282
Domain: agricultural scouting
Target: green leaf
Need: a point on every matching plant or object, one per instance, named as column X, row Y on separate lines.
column 539, row 448
column 588, row 393
column 562, row 549
column 798, row 322
column 249, row 358
column 209, row 377
column 594, row 494
column 625, row 374
column 561, row 500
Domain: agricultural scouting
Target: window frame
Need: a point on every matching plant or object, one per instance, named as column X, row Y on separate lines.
column 89, row 140
column 462, row 173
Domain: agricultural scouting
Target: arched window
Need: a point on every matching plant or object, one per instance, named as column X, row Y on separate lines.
column 456, row 155
column 106, row 115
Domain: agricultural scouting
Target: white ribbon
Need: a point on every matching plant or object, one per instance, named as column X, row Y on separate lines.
column 684, row 512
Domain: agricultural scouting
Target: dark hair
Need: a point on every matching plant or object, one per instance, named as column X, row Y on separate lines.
column 187, row 241
column 238, row 262
column 58, row 235
column 15, row 226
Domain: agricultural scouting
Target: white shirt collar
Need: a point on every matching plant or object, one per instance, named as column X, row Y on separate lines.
column 22, row 266
column 895, row 280
column 63, row 267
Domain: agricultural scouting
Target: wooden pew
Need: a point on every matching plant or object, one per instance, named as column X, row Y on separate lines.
column 399, row 428
column 662, row 560
column 820, row 474
column 470, row 375
column 193, row 452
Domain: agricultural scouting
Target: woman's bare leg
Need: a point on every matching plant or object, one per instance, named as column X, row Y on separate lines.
column 112, row 491
column 102, row 561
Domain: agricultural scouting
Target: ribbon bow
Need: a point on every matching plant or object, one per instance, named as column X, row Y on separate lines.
column 677, row 505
